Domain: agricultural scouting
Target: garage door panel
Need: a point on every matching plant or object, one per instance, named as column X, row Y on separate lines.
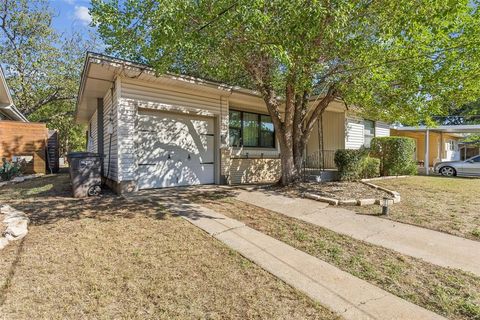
column 174, row 150
column 152, row 150
column 174, row 173
column 207, row 154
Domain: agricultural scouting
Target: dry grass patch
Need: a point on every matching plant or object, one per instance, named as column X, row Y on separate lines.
column 449, row 292
column 445, row 204
column 110, row 257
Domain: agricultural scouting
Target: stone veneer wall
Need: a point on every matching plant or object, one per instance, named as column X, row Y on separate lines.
column 240, row 170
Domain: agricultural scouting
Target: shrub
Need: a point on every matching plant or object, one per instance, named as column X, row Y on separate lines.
column 349, row 163
column 396, row 155
column 9, row 170
column 369, row 168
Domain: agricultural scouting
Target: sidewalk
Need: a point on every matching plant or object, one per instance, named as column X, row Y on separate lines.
column 341, row 292
column 432, row 246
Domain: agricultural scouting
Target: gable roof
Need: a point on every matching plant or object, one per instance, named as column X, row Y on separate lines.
column 100, row 71
column 6, row 103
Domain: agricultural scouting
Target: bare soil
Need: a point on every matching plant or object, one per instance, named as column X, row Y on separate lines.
column 449, row 205
column 338, row 190
column 452, row 293
column 111, row 257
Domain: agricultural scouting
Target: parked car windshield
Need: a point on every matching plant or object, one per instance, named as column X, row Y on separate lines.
column 475, row 159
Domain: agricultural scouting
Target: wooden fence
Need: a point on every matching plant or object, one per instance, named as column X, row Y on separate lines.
column 25, row 140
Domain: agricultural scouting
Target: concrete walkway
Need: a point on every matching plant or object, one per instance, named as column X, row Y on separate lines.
column 348, row 296
column 435, row 247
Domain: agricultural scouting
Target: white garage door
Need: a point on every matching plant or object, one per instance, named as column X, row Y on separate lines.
column 174, row 150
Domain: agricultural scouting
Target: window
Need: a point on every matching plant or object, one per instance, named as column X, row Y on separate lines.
column 369, row 132
column 451, row 145
column 251, row 130
column 476, row 159
column 235, row 128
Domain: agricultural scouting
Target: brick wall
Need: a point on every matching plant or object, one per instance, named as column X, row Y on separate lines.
column 241, row 170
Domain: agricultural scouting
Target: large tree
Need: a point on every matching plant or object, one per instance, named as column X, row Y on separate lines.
column 42, row 67
column 394, row 60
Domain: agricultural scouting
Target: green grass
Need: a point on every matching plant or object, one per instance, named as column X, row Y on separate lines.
column 452, row 293
column 444, row 204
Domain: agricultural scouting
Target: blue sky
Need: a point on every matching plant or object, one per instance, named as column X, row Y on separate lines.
column 71, row 15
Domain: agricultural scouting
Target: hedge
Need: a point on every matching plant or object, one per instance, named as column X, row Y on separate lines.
column 356, row 164
column 396, row 155
column 370, row 168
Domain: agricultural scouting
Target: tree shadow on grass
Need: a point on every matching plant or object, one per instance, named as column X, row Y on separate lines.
column 48, row 199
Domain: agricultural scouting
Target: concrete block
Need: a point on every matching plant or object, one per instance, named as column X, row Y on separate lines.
column 331, row 201
column 365, row 202
column 349, row 202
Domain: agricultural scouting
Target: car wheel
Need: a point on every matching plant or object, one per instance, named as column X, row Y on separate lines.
column 448, row 172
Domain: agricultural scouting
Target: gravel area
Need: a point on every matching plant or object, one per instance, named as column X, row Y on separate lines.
column 339, row 190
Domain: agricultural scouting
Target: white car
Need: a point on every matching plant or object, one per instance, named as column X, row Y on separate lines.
column 469, row 167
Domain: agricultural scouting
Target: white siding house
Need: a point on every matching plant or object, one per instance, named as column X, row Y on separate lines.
column 356, row 132
column 162, row 131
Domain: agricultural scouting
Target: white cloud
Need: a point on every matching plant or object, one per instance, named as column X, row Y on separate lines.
column 69, row 1
column 81, row 13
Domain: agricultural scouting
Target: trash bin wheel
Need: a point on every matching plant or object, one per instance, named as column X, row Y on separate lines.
column 94, row 191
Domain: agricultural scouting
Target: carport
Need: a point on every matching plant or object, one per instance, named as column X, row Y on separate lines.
column 442, row 133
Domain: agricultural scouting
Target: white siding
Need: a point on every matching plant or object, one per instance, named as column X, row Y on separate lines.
column 354, row 136
column 148, row 95
column 110, row 125
column 92, row 144
column 136, row 94
column 382, row 129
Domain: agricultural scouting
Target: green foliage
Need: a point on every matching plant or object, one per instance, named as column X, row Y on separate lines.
column 349, row 164
column 59, row 116
column 396, row 60
column 43, row 67
column 400, row 60
column 369, row 168
column 396, row 155
column 356, row 164
column 10, row 169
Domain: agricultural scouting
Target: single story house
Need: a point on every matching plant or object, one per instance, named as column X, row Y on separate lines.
column 19, row 138
column 172, row 130
column 441, row 143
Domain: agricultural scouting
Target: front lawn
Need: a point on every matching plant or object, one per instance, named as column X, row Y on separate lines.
column 109, row 257
column 452, row 293
column 450, row 205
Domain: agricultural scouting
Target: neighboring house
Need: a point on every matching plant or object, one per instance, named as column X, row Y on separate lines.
column 8, row 111
column 441, row 143
column 170, row 130
column 20, row 139
column 443, row 146
column 468, row 149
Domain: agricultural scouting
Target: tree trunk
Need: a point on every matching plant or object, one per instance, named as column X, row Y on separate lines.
column 290, row 172
column 293, row 129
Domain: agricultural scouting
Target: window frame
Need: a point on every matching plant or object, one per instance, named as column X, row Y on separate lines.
column 259, row 130
column 373, row 135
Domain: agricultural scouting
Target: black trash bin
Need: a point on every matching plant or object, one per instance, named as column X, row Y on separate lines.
column 85, row 173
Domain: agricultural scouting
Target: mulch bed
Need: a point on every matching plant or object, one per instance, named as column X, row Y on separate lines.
column 338, row 190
